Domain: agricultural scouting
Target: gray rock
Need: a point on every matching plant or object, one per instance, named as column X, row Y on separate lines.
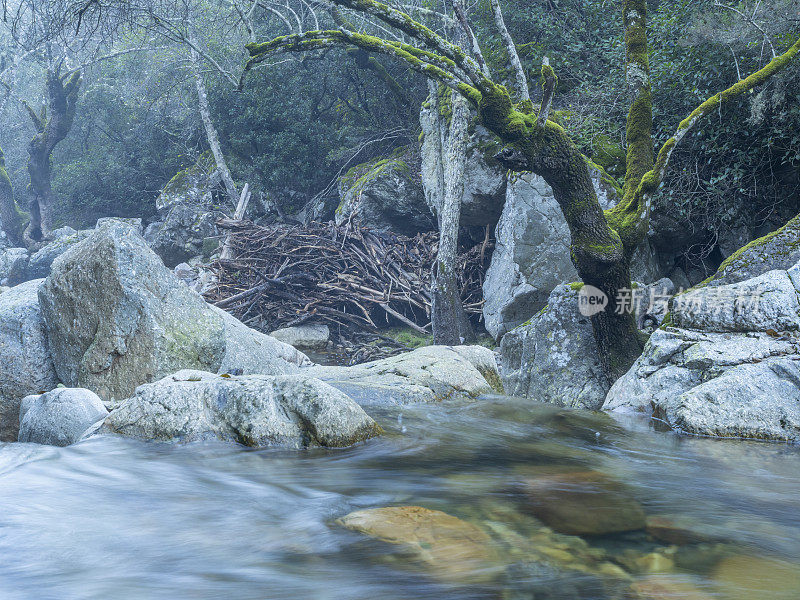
column 553, row 358
column 182, row 233
column 13, row 266
column 248, row 351
column 484, row 179
column 42, row 260
column 777, row 250
column 532, row 253
column 254, row 410
column 768, row 301
column 60, row 417
column 25, row 364
column 384, row 195
column 718, row 384
column 116, row 317
column 651, row 302
column 194, row 186
column 311, row 336
column 428, row 374
column 136, row 223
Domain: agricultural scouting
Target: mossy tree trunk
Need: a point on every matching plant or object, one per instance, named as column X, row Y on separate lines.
column 52, row 125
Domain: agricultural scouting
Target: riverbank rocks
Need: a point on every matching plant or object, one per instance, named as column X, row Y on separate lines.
column 311, row 336
column 254, row 410
column 744, row 577
column 732, row 367
column 553, row 358
column 25, row 364
column 42, row 260
column 13, row 266
column 428, row 374
column 116, row 318
column 582, row 503
column 449, row 548
column 385, row 195
column 60, row 417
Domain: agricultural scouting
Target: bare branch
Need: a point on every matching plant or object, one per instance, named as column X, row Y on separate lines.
column 516, row 63
column 548, row 91
column 751, row 21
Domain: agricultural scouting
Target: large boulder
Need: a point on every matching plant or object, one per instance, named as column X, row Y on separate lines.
column 732, row 367
column 187, row 215
column 553, row 357
column 25, row 364
column 532, row 252
column 484, row 179
column 13, row 265
column 428, row 374
column 116, row 318
column 60, row 417
column 254, row 410
column 385, row 195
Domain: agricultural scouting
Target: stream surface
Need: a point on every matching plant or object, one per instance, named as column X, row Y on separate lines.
column 117, row 518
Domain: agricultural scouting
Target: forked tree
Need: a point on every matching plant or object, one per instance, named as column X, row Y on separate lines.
column 602, row 242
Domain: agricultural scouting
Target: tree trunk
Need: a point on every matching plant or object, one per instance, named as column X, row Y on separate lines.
column 9, row 216
column 450, row 323
column 211, row 131
column 52, row 126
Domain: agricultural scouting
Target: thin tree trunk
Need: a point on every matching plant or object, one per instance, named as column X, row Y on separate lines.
column 449, row 321
column 211, row 131
column 12, row 224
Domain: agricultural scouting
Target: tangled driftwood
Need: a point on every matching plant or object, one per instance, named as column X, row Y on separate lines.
column 355, row 280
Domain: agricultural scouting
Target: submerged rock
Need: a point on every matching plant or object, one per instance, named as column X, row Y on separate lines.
column 451, row 549
column 313, row 336
column 582, row 503
column 731, row 370
column 664, row 587
column 25, row 364
column 254, row 410
column 60, row 417
column 553, row 358
column 428, row 374
column 746, row 577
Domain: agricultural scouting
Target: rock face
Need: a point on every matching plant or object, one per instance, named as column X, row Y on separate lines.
column 13, row 265
column 187, row 219
column 42, row 260
column 731, row 369
column 428, row 374
column 777, row 250
column 484, row 179
column 385, row 195
column 116, row 317
column 532, row 255
column 553, row 358
column 451, row 549
column 60, row 417
column 254, row 410
column 313, row 336
column 25, row 364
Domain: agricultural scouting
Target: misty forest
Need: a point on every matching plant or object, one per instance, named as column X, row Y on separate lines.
column 441, row 299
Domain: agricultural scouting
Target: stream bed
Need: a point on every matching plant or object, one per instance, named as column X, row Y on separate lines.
column 555, row 504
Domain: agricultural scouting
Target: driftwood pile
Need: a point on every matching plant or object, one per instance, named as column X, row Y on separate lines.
column 355, row 280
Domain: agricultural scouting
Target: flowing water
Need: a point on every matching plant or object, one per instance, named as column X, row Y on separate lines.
column 117, row 518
